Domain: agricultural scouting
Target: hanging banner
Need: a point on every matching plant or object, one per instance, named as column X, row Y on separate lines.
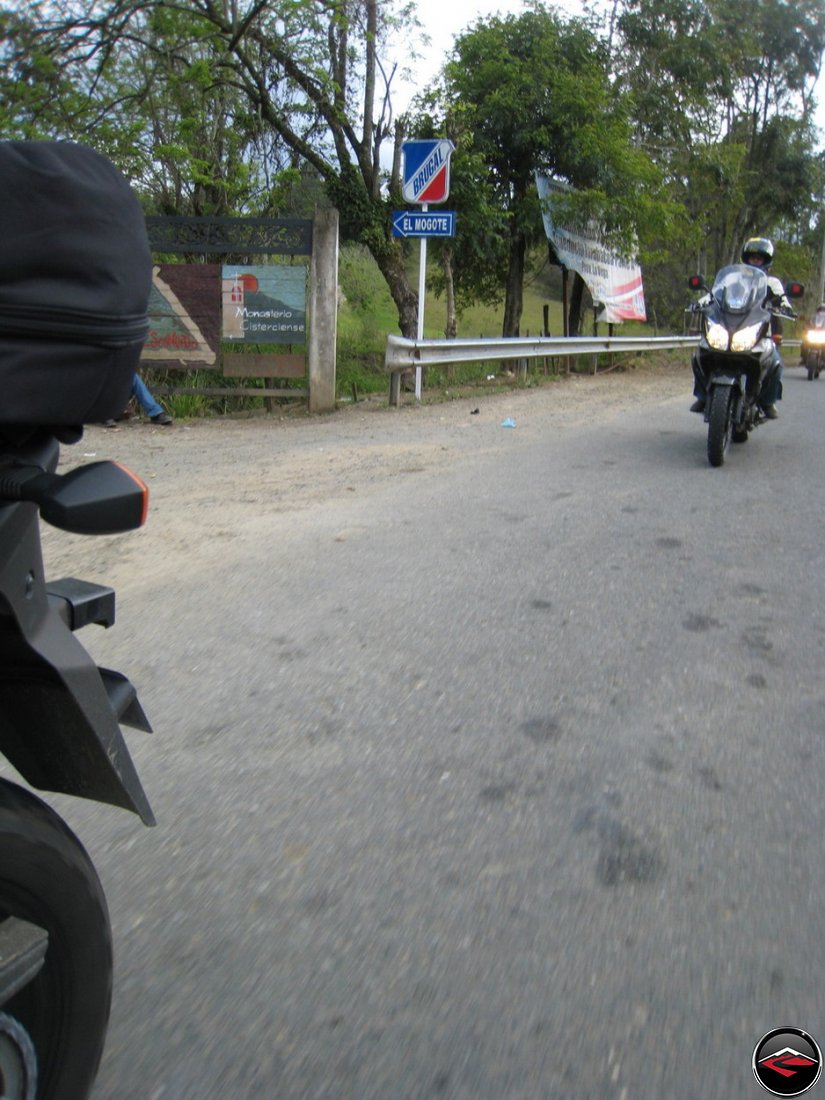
column 264, row 304
column 615, row 284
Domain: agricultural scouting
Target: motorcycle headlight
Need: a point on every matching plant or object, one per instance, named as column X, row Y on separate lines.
column 745, row 338
column 717, row 336
column 815, row 336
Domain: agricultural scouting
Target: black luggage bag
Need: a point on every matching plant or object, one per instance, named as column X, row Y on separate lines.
column 75, row 275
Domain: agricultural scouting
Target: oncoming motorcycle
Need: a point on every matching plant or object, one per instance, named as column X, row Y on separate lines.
column 72, row 323
column 813, row 350
column 736, row 350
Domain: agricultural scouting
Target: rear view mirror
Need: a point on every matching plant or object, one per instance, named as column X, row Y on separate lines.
column 696, row 282
column 795, row 290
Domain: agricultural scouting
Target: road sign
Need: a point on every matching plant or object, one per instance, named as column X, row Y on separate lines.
column 423, row 223
column 426, row 170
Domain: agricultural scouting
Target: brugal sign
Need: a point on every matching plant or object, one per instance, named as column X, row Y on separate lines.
column 425, row 173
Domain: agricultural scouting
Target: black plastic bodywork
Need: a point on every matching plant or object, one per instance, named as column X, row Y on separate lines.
column 59, row 713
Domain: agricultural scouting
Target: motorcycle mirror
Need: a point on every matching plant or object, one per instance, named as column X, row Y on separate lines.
column 795, row 290
column 103, row 498
column 696, row 282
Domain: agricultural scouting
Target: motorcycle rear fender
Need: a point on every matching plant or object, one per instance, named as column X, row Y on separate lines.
column 58, row 711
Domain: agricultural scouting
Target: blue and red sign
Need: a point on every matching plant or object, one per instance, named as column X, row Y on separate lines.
column 426, row 170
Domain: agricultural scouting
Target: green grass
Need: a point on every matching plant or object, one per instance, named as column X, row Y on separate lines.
column 367, row 315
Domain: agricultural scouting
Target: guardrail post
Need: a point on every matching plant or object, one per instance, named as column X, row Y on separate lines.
column 395, row 388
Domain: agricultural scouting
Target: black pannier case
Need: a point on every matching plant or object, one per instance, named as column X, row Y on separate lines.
column 75, row 275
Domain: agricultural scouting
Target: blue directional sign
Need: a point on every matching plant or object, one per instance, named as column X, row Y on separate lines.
column 423, row 223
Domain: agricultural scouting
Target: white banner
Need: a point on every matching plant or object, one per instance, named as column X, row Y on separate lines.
column 615, row 284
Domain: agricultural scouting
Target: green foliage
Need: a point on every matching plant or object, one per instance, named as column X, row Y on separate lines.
column 526, row 94
column 684, row 125
column 723, row 96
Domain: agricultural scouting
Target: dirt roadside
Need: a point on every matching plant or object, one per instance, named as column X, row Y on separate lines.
column 214, row 478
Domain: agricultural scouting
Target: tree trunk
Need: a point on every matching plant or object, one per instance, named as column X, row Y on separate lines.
column 451, row 327
column 391, row 265
column 514, row 298
column 574, row 324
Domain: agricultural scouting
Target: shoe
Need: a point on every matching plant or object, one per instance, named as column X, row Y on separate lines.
column 770, row 412
column 161, row 418
column 698, row 406
column 109, row 424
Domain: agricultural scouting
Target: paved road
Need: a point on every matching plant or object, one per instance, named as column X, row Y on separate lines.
column 501, row 782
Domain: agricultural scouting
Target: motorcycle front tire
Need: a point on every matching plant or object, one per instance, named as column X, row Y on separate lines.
column 719, row 425
column 47, row 878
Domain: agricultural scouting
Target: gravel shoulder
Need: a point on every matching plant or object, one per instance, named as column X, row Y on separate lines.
column 214, row 478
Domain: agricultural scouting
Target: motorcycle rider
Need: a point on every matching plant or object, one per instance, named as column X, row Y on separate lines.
column 756, row 252
column 817, row 322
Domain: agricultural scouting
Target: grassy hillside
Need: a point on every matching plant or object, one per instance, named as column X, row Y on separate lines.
column 366, row 315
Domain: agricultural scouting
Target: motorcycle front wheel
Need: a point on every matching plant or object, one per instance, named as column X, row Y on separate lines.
column 47, row 879
column 719, row 425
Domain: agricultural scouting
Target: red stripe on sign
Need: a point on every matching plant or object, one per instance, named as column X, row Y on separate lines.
column 629, row 288
column 436, row 189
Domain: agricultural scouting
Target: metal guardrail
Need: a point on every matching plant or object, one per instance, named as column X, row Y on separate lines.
column 403, row 355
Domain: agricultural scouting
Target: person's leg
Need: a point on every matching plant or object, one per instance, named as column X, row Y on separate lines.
column 771, row 391
column 143, row 396
column 699, row 387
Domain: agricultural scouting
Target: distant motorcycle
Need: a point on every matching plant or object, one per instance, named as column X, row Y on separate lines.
column 813, row 352
column 735, row 351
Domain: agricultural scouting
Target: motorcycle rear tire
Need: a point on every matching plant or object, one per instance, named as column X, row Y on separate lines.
column 47, row 878
column 719, row 425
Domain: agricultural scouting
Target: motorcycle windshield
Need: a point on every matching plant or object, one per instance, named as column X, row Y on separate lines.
column 739, row 288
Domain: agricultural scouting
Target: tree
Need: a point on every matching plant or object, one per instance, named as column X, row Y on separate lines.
column 210, row 84
column 532, row 93
column 723, row 97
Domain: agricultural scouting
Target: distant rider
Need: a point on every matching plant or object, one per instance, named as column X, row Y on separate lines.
column 818, row 322
column 757, row 252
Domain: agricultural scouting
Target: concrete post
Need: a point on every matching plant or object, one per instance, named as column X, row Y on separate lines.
column 323, row 297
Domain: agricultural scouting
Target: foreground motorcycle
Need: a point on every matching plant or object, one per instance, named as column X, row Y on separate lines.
column 736, row 351
column 59, row 727
column 72, row 323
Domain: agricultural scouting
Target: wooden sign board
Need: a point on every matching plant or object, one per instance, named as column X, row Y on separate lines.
column 263, row 365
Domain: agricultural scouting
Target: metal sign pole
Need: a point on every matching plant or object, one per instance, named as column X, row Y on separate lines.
column 422, row 287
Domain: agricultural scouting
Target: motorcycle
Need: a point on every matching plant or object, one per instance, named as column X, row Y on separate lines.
column 736, row 350
column 73, row 319
column 813, row 352
column 60, row 721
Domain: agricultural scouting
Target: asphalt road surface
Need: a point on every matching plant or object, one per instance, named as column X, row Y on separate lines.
column 501, row 780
